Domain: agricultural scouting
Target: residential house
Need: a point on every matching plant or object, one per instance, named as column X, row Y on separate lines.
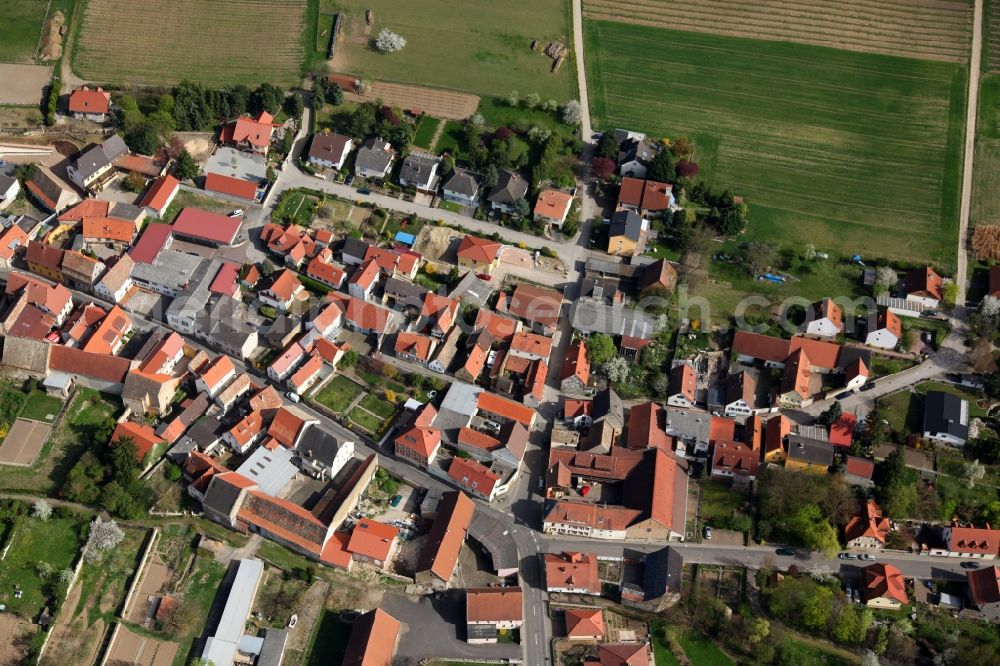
column 437, row 314
column 321, row 455
column 808, row 455
column 160, row 195
column 627, row 234
column 9, row 188
column 109, row 337
column 245, row 433
column 462, row 187
column 743, row 395
column 825, row 319
column 647, row 428
column 374, row 543
column 623, row 654
column 489, row 610
column 649, row 198
column 419, row 445
column 329, row 150
column 635, row 156
column 923, row 286
column 510, row 188
column 44, row 260
column 440, row 554
column 306, row 376
column 584, row 623
column 248, row 133
column 420, row 171
column 12, row 239
column 734, row 460
column 119, row 234
column 867, row 529
column 89, row 169
column 51, row 192
column 969, row 542
column 374, row 158
column 859, row 471
column 363, row 316
column 552, row 207
column 684, row 385
column 284, row 290
column 116, row 281
column 322, row 269
column 141, row 435
column 394, row 263
column 572, row 573
column 886, row 331
column 946, row 418
column 327, row 324
column 363, row 280
column 538, row 307
column 984, row 591
column 883, row 587
column 90, row 104
column 80, row 271
column 795, row 392
column 374, row 640
column 288, row 425
column 575, row 378
column 474, row 478
column 354, row 251
column 776, row 431
column 503, row 410
column 478, row 254
column 216, row 376
column 415, row 347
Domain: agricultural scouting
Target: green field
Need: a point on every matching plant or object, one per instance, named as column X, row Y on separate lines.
column 426, row 128
column 700, row 650
column 41, row 406
column 19, row 29
column 328, row 643
column 235, row 42
column 338, row 393
column 55, row 541
column 480, row 46
column 986, row 172
column 832, row 147
column 367, row 421
column 378, row 406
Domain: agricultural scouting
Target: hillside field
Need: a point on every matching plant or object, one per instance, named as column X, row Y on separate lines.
column 216, row 43
column 841, row 149
column 479, row 46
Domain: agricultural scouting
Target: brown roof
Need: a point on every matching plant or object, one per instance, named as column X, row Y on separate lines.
column 584, row 622
column 923, row 282
column 536, row 304
column 884, row 580
column 572, row 570
column 447, row 534
column 860, row 467
column 88, row 364
column 494, row 604
column 478, row 250
column 515, row 411
column 594, row 516
column 373, row 640
column 623, row 654
column 328, row 146
column 499, row 326
column 890, row 321
column 43, row 255
column 615, row 466
column 284, row 519
column 647, row 427
column 422, row 440
column 684, row 381
column 630, row 193
column 984, row 585
column 735, row 457
column 980, row 540
column 576, row 363
column 416, row 344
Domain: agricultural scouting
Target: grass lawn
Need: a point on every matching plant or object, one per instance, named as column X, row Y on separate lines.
column 829, row 147
column 662, row 653
column 722, row 506
column 185, row 199
column 803, row 654
column 904, row 413
column 41, row 407
column 200, row 589
column 65, row 445
column 424, row 134
column 339, row 393
column 485, row 48
column 378, row 406
column 450, row 205
column 56, row 541
column 104, row 583
column 884, row 365
column 971, row 396
column 164, row 50
column 367, row 421
column 328, row 643
column 296, row 206
column 20, row 28
column 451, row 140
column 700, row 650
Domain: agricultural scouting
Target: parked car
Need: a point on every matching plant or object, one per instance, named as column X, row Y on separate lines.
column 364, row 190
column 708, row 532
column 785, row 552
column 847, row 556
column 868, row 557
column 970, row 565
column 485, row 277
column 237, row 213
column 293, row 621
column 293, row 396
column 844, row 394
column 867, row 387
column 396, row 499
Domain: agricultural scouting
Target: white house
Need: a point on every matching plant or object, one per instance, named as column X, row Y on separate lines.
column 289, row 360
column 330, row 150
column 116, row 281
column 462, row 187
column 825, row 320
column 89, row 167
column 886, row 330
column 374, row 158
column 9, row 187
column 420, row 171
column 946, row 418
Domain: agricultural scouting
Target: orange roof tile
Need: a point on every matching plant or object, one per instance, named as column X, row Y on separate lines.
column 142, row 435
column 447, row 534
column 372, row 539
column 515, row 411
column 553, row 204
column 217, row 371
column 494, row 604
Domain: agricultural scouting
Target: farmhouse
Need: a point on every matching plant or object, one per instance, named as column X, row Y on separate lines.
column 50, row 191
column 90, row 169
column 489, row 610
column 88, row 104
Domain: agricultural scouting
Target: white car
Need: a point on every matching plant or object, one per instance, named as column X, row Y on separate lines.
column 293, row 621
column 293, row 396
column 237, row 213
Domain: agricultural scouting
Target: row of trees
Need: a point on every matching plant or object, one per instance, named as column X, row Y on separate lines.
column 198, row 108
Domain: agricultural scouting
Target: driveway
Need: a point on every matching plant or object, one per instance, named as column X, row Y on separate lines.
column 436, row 628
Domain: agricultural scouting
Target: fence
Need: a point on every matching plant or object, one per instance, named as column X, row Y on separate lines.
column 334, row 34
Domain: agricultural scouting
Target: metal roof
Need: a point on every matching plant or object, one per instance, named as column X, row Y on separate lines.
column 271, row 470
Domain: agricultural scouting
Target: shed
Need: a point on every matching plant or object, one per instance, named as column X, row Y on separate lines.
column 405, row 238
column 58, row 384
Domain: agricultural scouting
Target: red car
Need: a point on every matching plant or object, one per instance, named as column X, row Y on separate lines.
column 485, row 277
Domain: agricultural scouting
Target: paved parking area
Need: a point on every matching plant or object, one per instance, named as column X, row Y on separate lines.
column 236, row 164
column 436, row 628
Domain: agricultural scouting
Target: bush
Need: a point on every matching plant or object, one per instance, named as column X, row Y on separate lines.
column 389, row 42
column 52, row 101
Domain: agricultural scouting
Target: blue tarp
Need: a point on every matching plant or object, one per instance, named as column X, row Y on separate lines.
column 405, row 238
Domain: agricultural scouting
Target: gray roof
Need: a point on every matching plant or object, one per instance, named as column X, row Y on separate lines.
column 492, row 535
column 99, row 156
column 6, row 181
column 662, row 572
column 221, row 496
column 510, row 187
column 470, row 289
column 688, row 425
column 626, row 223
column 239, row 602
column 269, row 469
column 607, row 406
column 374, row 155
column 615, row 268
column 480, row 631
column 281, row 328
column 635, row 150
column 946, row 413
column 810, row 450
column 124, row 211
column 405, row 292
column 418, row 170
column 355, row 247
column 594, row 316
column 273, row 649
column 171, row 267
column 462, row 182
column 319, row 445
column 206, row 432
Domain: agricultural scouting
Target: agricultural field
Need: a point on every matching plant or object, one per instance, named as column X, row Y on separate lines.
column 830, row 147
column 20, row 28
column 485, row 48
column 986, row 171
column 427, row 128
column 247, row 42
column 931, row 31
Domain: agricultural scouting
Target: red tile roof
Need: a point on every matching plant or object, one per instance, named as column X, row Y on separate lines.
column 373, row 640
column 423, row 441
column 447, row 534
column 108, row 229
column 249, row 427
column 923, row 282
column 478, row 250
column 504, row 407
column 572, row 570
column 11, row 238
column 797, row 374
column 860, row 467
column 86, row 208
column 256, row 131
column 656, row 196
column 78, row 362
column 776, row 430
column 494, row 604
column 623, row 654
column 362, row 313
column 842, row 430
column 984, row 585
column 284, row 519
column 390, row 261
column 499, row 326
column 827, row 309
column 85, row 100
column 594, row 516
column 204, row 225
column 142, row 435
column 160, row 192
column 109, row 334
column 735, row 458
column 536, row 304
column 868, row 523
column 478, row 440
column 553, row 204
column 647, row 427
column 630, row 193
column 285, row 285
column 286, row 426
column 576, row 363
column 531, row 343
column 373, row 540
column 584, row 622
column 306, row 373
column 217, row 371
column 152, row 240
column 979, row 540
column 335, row 551
column 890, row 321
column 292, row 355
column 236, row 187
column 884, row 580
column 226, row 280
column 441, row 309
column 473, row 476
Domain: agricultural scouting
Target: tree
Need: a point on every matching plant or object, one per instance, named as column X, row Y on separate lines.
column 949, row 293
column 66, row 576
column 682, row 148
column 52, row 101
column 813, row 530
column 362, row 120
column 885, row 279
column 104, row 535
column 662, row 168
column 294, row 105
column 477, row 120
column 816, row 613
column 532, row 100
column 617, row 370
column 43, row 569
column 600, row 349
column 602, row 167
column 25, row 172
column 490, row 176
column 522, row 208
column 973, row 471
column 125, row 461
column 265, row 97
column 832, row 413
column 571, row 112
column 142, row 138
column 185, row 168
column 870, row 659
column 513, row 98
column 191, row 113
column 134, row 182
column 41, row 510
column 270, row 174
column 687, row 169
column 607, row 146
column 389, row 42
column 845, row 627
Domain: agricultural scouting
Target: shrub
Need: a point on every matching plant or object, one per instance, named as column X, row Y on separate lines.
column 389, row 42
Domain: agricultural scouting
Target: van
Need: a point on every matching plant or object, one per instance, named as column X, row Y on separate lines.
column 293, row 396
